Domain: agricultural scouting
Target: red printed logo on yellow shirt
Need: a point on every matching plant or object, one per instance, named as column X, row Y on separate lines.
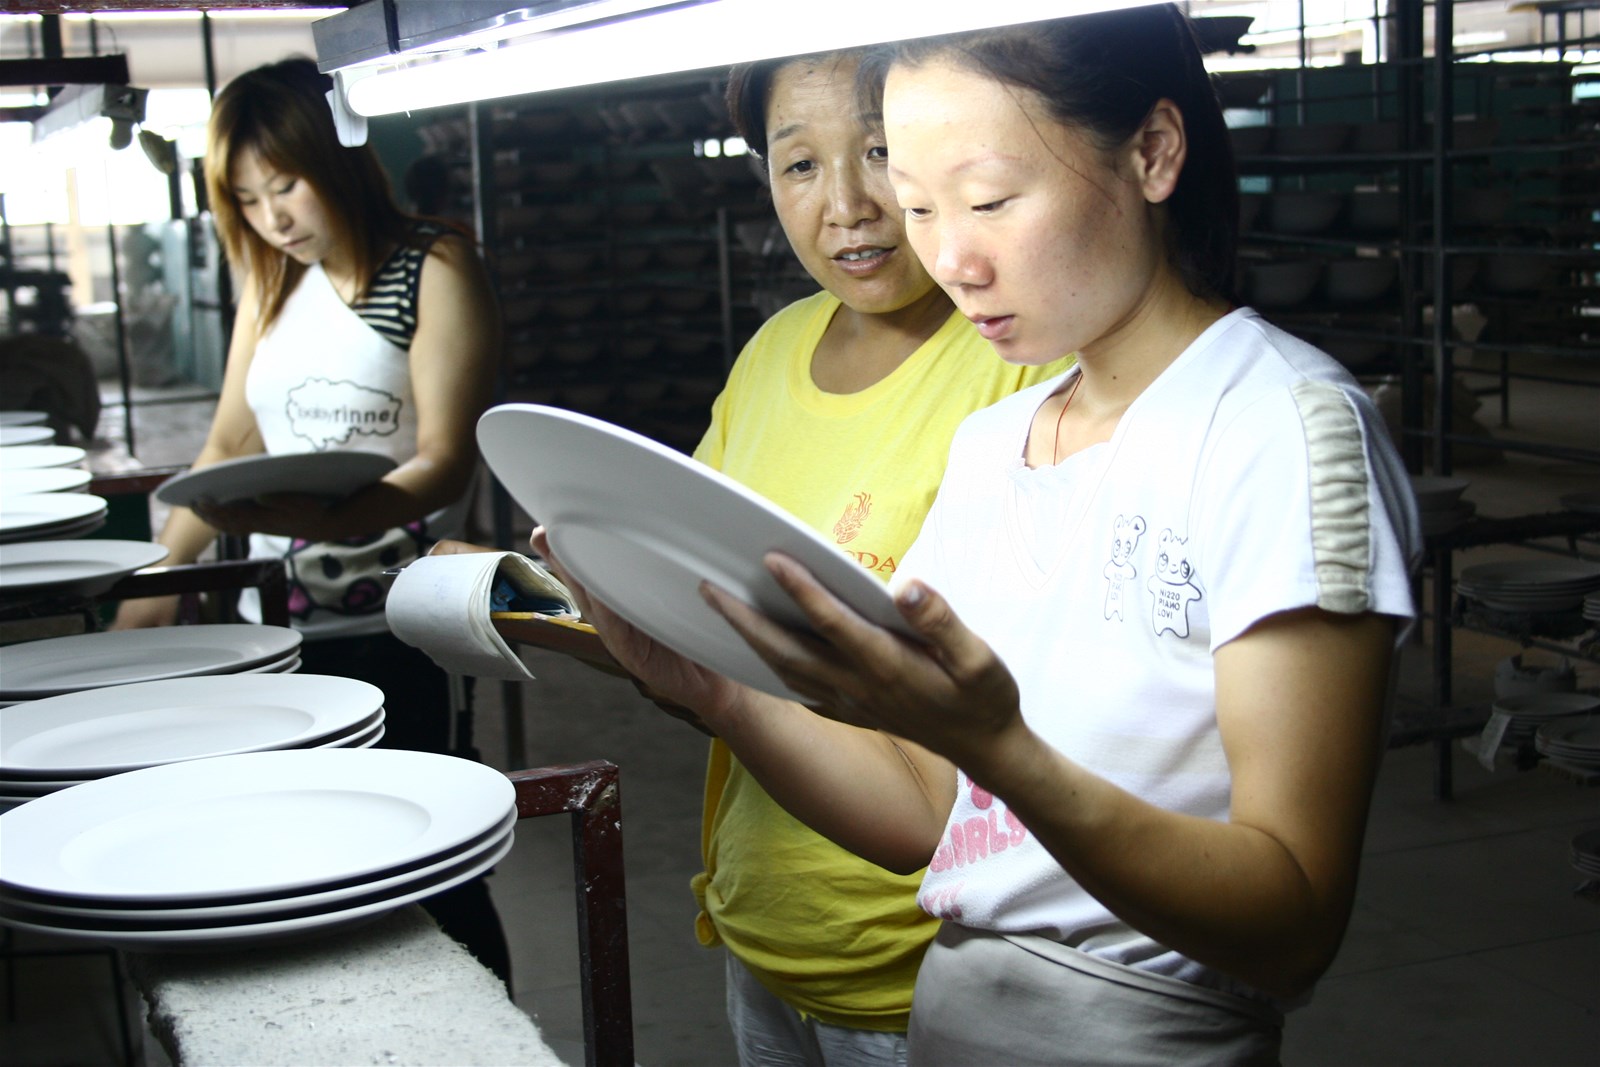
column 853, row 519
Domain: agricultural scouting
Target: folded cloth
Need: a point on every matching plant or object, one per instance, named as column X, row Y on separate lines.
column 443, row 604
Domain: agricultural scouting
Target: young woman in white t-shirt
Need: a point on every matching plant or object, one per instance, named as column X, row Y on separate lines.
column 1159, row 596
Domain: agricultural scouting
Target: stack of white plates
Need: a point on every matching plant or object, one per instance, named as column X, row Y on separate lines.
column 49, row 516
column 32, row 569
column 12, row 436
column 1574, row 742
column 49, row 745
column 249, row 848
column 31, row 457
column 60, row 665
column 1591, row 607
column 45, row 480
column 1543, row 586
column 1439, row 503
column 1586, row 853
column 1530, row 712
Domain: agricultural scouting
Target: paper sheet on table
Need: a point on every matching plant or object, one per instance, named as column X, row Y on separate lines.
column 442, row 605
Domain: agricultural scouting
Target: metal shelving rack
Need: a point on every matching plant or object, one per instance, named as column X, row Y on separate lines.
column 1433, row 248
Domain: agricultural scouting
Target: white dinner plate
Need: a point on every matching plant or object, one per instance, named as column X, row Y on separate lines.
column 471, row 851
column 266, row 928
column 252, row 826
column 642, row 525
column 23, row 418
column 38, row 511
column 59, row 665
column 70, row 531
column 363, row 734
column 126, row 727
column 333, row 474
column 24, row 457
column 286, row 665
column 66, row 567
column 1533, row 575
column 44, row 480
column 352, row 736
column 12, row 436
column 366, row 735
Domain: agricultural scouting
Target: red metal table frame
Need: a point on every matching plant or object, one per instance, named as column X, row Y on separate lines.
column 591, row 794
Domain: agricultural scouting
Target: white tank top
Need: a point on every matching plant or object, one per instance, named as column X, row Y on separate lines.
column 323, row 380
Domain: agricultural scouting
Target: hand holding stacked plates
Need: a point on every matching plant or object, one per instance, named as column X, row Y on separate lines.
column 1439, row 504
column 252, row 847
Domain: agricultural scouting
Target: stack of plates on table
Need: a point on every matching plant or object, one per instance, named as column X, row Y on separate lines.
column 49, row 516
column 1574, row 742
column 11, row 436
column 31, row 569
column 45, row 480
column 1543, row 586
column 1528, row 713
column 30, row 457
column 1586, row 853
column 1591, row 607
column 50, row 744
column 249, row 848
column 1439, row 503
column 60, row 665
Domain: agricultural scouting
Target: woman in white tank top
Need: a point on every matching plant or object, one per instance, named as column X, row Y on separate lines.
column 358, row 328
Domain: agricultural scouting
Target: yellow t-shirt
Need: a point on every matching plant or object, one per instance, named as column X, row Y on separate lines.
column 835, row 936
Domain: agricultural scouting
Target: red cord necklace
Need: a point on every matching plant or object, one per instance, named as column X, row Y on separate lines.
column 1055, row 443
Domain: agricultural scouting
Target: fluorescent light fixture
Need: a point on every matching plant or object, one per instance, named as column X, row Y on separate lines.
column 88, row 118
column 563, row 44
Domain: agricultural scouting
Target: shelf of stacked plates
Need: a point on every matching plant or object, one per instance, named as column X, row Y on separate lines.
column 624, row 290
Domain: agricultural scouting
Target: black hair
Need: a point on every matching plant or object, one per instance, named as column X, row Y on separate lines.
column 750, row 90
column 1103, row 74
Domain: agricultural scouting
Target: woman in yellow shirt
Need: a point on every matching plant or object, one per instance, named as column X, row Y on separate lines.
column 840, row 410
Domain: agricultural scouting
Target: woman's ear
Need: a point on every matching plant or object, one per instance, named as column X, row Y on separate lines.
column 1159, row 148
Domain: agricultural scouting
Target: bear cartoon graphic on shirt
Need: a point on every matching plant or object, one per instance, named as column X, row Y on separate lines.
column 1172, row 586
column 1125, row 533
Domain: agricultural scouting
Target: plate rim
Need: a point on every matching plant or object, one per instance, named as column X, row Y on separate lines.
column 84, row 706
column 437, row 779
column 503, row 440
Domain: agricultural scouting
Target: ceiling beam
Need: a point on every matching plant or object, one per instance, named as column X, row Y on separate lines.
column 69, row 7
column 78, row 70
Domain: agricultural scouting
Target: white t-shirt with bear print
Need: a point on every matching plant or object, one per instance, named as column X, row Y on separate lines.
column 1252, row 477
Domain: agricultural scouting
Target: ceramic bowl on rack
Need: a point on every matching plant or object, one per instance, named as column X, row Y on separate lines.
column 1313, row 139
column 1360, row 279
column 1281, row 284
column 1303, row 211
column 1518, row 272
column 1374, row 211
column 1436, row 492
column 1250, row 140
column 1375, row 138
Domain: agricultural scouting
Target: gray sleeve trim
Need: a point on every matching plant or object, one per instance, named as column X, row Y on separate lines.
column 1341, row 533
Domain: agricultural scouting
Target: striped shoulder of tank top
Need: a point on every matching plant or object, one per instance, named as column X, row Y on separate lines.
column 390, row 305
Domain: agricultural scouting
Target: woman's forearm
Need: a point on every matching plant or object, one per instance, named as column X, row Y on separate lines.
column 878, row 796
